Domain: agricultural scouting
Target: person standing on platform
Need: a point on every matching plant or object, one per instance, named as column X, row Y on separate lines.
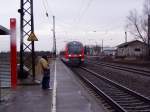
column 45, row 71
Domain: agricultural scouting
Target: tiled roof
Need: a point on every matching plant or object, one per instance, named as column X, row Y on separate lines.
column 4, row 31
column 127, row 43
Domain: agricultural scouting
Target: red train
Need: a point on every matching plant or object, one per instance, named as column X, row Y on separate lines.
column 73, row 54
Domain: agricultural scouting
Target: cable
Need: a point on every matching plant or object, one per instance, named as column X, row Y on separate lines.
column 84, row 11
column 49, row 7
column 46, row 11
column 79, row 11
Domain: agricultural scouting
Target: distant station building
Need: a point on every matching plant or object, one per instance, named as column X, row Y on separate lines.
column 92, row 50
column 109, row 52
column 133, row 49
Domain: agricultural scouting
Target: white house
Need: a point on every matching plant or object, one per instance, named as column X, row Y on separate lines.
column 134, row 48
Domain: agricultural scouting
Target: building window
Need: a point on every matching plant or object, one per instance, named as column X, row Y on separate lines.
column 137, row 49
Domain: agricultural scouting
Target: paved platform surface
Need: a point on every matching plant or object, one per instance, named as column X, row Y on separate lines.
column 5, row 93
column 70, row 95
column 67, row 95
column 28, row 99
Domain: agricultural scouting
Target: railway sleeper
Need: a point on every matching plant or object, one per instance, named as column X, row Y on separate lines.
column 138, row 104
column 146, row 110
column 114, row 91
column 127, row 101
column 138, row 107
column 117, row 95
column 138, row 110
column 121, row 97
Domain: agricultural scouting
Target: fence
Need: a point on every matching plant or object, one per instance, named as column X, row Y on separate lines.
column 5, row 73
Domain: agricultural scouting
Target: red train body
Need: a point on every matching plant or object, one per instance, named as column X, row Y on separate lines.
column 73, row 54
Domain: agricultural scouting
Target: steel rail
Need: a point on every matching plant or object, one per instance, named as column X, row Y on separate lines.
column 110, row 101
column 124, row 68
column 119, row 105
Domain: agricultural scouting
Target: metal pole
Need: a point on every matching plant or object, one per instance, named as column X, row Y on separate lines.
column 0, row 91
column 148, row 42
column 21, row 37
column 125, row 37
column 26, row 28
column 33, row 51
column 54, row 38
column 102, row 45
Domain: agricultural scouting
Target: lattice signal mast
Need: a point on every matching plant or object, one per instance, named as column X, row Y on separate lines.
column 26, row 28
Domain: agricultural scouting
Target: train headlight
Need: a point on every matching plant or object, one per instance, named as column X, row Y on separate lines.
column 80, row 55
column 69, row 55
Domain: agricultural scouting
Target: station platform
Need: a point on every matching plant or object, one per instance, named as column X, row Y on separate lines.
column 67, row 95
column 70, row 94
column 28, row 99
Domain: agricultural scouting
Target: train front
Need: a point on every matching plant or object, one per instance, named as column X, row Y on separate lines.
column 74, row 53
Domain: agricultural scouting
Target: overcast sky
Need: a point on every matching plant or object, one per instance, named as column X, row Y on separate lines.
column 89, row 21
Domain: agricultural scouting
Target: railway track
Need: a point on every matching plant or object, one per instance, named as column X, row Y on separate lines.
column 119, row 97
column 124, row 68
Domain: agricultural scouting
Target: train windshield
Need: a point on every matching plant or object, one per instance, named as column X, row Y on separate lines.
column 75, row 48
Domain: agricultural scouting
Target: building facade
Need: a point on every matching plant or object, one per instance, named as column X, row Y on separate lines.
column 92, row 50
column 134, row 48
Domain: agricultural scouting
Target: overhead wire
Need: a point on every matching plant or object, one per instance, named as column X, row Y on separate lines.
column 45, row 8
column 84, row 11
column 42, row 8
column 49, row 7
column 48, row 11
column 79, row 11
column 46, row 4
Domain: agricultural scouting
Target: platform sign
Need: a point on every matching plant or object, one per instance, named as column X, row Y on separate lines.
column 13, row 53
column 32, row 37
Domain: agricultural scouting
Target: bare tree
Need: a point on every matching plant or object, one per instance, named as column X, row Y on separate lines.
column 137, row 24
column 146, row 7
